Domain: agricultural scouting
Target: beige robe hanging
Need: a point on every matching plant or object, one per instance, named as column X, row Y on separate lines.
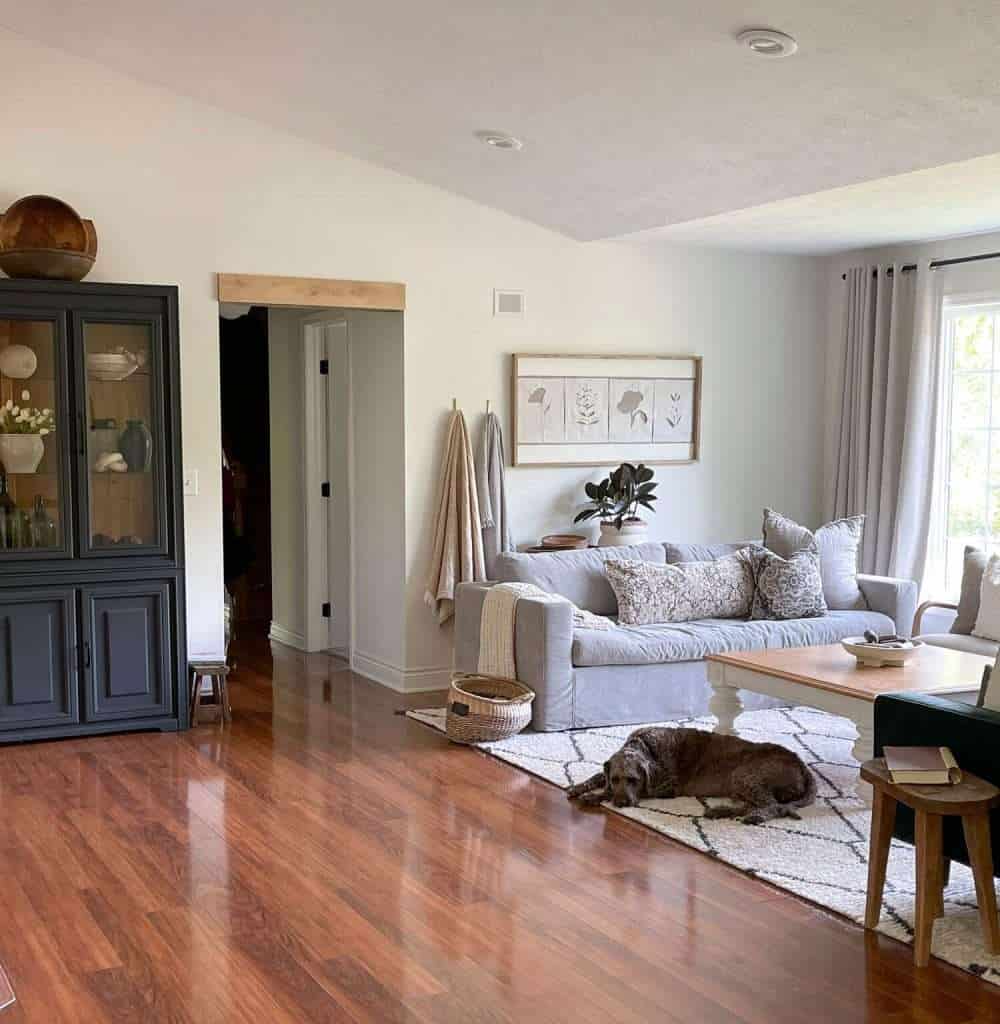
column 457, row 553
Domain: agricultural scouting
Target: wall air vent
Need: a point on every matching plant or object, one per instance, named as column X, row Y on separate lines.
column 507, row 303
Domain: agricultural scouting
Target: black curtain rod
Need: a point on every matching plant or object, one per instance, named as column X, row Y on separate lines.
column 935, row 264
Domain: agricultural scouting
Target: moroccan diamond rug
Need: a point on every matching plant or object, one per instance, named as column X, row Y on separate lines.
column 823, row 857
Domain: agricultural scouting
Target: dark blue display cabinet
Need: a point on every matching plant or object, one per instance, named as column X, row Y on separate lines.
column 91, row 517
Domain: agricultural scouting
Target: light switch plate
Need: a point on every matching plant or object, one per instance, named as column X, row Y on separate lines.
column 191, row 483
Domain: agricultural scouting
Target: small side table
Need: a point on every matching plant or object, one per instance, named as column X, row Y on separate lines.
column 216, row 671
column 972, row 799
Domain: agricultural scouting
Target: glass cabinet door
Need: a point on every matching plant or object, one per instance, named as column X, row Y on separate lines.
column 122, row 453
column 34, row 503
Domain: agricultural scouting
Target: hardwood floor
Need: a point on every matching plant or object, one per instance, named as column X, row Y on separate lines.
column 326, row 860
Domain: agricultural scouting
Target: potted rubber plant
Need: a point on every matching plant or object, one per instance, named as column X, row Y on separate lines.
column 616, row 501
column 22, row 429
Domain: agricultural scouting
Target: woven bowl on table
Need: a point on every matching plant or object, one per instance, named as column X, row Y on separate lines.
column 482, row 709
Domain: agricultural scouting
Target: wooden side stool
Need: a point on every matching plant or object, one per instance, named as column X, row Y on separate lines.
column 972, row 799
column 216, row 672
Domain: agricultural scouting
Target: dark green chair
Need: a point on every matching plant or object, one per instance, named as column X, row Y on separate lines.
column 973, row 734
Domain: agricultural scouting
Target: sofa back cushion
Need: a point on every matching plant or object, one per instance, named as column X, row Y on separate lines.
column 677, row 553
column 576, row 575
column 648, row 593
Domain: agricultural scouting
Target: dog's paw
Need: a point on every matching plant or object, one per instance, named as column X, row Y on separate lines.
column 593, row 798
column 753, row 819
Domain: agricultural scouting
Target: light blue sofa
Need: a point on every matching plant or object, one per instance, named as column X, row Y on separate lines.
column 633, row 674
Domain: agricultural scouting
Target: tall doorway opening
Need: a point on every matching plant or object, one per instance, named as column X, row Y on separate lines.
column 246, row 466
column 329, row 506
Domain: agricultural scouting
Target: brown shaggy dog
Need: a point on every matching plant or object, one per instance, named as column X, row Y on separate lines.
column 763, row 779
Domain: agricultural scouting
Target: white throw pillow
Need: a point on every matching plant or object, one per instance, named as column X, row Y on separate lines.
column 988, row 620
column 648, row 592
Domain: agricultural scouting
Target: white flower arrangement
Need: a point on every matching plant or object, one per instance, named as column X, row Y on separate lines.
column 23, row 419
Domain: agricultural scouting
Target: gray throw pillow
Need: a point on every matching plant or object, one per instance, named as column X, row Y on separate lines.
column 837, row 543
column 786, row 588
column 648, row 593
column 973, row 567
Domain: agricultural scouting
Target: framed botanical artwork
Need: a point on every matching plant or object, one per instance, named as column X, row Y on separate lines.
column 604, row 410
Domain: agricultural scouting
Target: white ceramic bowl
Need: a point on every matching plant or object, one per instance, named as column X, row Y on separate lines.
column 111, row 365
column 874, row 656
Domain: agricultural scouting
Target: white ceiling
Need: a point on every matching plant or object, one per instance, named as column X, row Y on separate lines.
column 635, row 114
column 956, row 199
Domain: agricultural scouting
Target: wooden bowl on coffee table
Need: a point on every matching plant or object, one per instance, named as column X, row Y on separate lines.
column 876, row 656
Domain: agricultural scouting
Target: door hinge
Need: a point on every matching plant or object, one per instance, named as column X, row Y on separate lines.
column 324, row 366
column 327, row 611
column 324, row 489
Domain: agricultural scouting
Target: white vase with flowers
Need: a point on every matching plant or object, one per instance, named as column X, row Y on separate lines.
column 23, row 430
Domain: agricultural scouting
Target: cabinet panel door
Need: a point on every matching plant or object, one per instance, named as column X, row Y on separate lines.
column 122, row 448
column 126, row 652
column 38, row 674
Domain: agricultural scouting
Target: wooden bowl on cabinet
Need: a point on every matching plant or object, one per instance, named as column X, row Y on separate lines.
column 43, row 237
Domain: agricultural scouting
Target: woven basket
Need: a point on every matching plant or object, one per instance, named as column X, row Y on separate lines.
column 482, row 709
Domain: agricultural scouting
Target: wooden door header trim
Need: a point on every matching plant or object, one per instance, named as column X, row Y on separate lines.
column 265, row 290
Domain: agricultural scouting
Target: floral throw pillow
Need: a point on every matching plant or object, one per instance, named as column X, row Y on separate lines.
column 649, row 592
column 786, row 588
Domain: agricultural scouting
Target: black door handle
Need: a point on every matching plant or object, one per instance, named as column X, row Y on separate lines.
column 86, row 654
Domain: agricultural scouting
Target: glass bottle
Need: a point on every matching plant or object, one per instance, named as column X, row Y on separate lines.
column 43, row 526
column 8, row 514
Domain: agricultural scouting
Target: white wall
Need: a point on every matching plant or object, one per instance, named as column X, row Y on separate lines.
column 340, row 433
column 378, row 483
column 284, row 352
column 180, row 191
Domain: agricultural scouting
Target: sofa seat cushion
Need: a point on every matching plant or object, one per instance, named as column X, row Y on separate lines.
column 961, row 642
column 690, row 641
column 576, row 575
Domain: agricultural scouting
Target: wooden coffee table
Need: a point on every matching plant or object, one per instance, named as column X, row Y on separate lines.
column 830, row 679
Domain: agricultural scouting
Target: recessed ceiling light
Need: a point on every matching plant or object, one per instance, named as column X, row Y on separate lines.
column 499, row 140
column 765, row 42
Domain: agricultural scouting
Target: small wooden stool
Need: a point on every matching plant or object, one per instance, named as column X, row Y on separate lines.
column 972, row 799
column 216, row 671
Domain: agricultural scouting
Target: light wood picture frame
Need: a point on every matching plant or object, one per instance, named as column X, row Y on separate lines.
column 605, row 410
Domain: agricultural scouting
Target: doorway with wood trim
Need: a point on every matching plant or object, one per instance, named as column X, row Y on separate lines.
column 334, row 403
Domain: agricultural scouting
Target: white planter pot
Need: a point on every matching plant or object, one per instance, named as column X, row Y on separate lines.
column 631, row 533
column 21, row 453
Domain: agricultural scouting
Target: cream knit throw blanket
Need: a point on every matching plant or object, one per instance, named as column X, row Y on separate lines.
column 496, row 625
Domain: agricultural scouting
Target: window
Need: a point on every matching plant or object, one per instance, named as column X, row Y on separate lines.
column 972, row 497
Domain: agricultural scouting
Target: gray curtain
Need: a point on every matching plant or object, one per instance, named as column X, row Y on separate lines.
column 887, row 414
column 492, row 486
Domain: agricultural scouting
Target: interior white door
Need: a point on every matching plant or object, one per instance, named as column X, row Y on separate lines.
column 326, row 555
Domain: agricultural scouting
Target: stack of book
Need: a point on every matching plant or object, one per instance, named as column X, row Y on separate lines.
column 931, row 766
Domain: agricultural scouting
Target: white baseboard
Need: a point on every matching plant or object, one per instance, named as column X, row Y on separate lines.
column 423, row 680
column 286, row 637
column 341, row 651
column 395, row 677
